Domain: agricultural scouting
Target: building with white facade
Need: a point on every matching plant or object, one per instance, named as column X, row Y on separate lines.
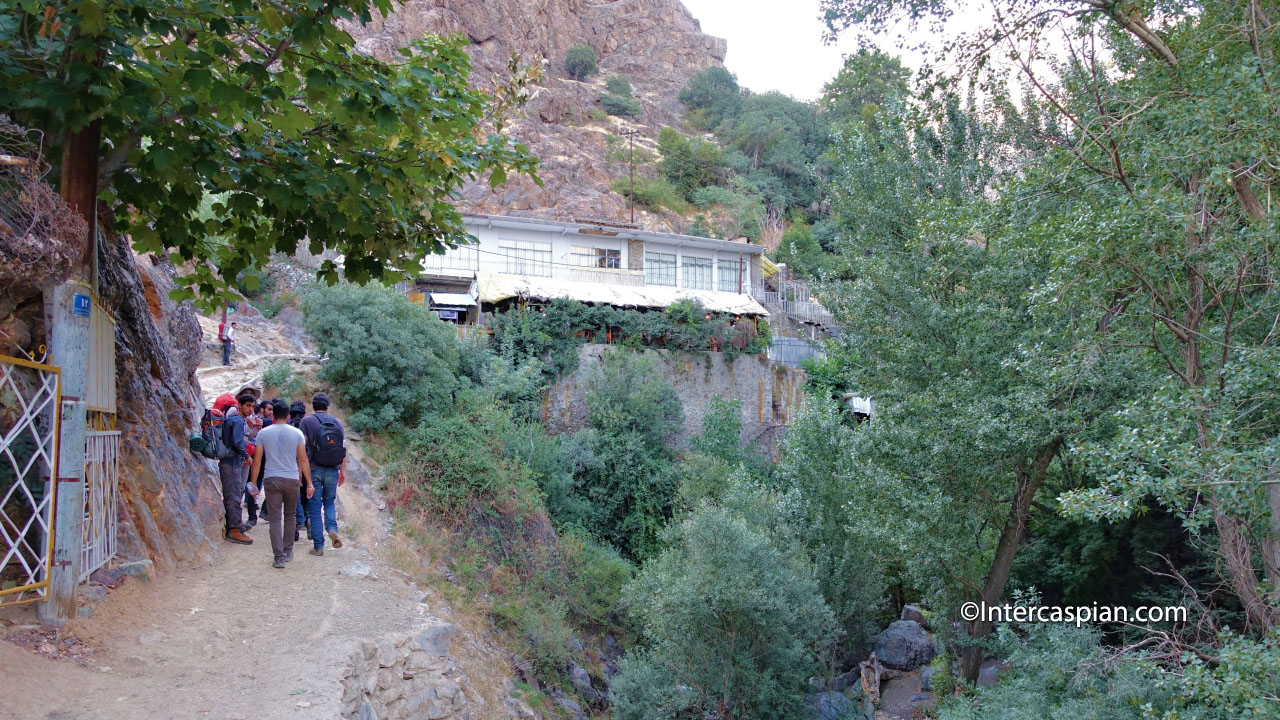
column 540, row 260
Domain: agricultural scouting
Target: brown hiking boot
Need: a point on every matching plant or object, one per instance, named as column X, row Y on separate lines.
column 333, row 538
column 237, row 536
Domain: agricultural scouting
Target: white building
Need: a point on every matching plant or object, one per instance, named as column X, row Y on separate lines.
column 533, row 259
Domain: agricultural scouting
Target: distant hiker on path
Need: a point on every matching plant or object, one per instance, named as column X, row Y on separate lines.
column 227, row 336
column 327, row 452
column 281, row 455
column 231, row 468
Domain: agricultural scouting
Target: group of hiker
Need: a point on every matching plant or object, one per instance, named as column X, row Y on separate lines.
column 280, row 464
column 227, row 338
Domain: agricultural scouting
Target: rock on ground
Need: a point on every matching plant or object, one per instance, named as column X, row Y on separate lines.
column 904, row 645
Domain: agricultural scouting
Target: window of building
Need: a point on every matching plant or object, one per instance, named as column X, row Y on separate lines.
column 524, row 257
column 594, row 257
column 696, row 273
column 727, row 274
column 659, row 268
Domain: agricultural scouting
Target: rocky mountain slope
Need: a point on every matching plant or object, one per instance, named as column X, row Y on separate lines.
column 656, row 44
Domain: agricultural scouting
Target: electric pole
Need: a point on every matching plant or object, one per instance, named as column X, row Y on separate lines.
column 631, row 193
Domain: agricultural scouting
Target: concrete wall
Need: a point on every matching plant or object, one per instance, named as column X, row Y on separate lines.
column 770, row 396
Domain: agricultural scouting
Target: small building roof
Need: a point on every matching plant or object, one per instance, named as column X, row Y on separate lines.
column 452, row 301
column 495, row 287
column 610, row 231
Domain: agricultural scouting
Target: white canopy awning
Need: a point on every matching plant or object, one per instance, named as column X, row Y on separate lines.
column 495, row 287
column 459, row 301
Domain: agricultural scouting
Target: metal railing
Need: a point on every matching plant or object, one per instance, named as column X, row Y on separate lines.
column 30, row 396
column 102, row 475
column 792, row 352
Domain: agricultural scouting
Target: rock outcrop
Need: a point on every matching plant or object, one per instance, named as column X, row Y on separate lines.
column 167, row 496
column 656, row 44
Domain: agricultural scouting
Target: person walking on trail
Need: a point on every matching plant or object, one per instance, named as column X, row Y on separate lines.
column 327, row 453
column 231, row 468
column 280, row 457
column 252, row 424
column 297, row 411
column 227, row 336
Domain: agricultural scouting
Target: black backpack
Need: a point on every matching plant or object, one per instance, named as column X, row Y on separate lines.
column 328, row 449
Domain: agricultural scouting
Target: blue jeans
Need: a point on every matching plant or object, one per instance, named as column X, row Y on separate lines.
column 325, row 481
column 302, row 508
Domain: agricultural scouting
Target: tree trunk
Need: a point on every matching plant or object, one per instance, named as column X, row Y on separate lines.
column 1029, row 480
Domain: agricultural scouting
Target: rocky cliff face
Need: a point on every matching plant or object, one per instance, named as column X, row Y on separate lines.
column 656, row 44
column 167, row 496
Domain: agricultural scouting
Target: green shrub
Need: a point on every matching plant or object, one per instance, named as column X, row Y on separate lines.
column 543, row 627
column 705, row 197
column 280, row 377
column 392, row 362
column 733, row 624
column 690, row 163
column 597, row 115
column 618, row 85
column 711, row 95
column 580, row 62
column 623, row 105
column 449, row 461
column 597, row 574
column 653, row 193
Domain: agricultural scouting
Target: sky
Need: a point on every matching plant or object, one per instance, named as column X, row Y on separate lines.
column 777, row 44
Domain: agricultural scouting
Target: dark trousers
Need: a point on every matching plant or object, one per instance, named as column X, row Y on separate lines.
column 250, row 502
column 281, row 493
column 226, row 352
column 231, row 473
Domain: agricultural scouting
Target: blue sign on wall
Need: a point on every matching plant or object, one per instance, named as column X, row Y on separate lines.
column 81, row 305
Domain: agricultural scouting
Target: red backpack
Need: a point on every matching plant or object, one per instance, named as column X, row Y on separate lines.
column 224, row 402
column 222, row 331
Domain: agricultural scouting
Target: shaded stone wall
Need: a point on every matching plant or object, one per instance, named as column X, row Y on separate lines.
column 770, row 396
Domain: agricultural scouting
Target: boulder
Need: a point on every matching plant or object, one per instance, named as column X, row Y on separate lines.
column 926, row 677
column 831, row 706
column 913, row 612
column 905, row 645
column 581, row 680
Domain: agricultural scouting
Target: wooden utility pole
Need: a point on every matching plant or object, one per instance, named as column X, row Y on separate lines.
column 631, row 193
column 67, row 308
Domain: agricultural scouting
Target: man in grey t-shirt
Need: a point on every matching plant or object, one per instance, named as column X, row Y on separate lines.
column 281, row 455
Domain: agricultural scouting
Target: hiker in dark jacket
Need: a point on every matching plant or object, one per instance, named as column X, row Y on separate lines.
column 326, row 454
column 231, row 469
column 297, row 411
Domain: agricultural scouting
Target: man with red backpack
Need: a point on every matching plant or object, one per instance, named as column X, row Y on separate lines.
column 326, row 454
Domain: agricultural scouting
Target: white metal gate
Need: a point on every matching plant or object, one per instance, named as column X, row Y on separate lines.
column 30, row 396
column 101, row 475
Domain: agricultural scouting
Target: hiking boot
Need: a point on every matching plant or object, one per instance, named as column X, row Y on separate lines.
column 237, row 536
column 318, row 552
column 333, row 538
column 279, row 563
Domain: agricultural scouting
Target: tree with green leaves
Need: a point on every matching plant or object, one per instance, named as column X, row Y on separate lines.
column 869, row 79
column 580, row 62
column 1147, row 199
column 268, row 107
column 710, row 96
column 731, row 618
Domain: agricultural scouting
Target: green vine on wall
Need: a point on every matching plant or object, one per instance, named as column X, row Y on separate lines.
column 553, row 333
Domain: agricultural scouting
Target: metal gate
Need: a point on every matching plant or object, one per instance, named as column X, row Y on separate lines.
column 101, row 473
column 30, row 397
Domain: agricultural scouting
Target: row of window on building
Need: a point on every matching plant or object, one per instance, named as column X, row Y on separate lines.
column 695, row 273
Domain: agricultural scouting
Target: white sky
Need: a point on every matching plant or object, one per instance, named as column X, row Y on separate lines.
column 777, row 44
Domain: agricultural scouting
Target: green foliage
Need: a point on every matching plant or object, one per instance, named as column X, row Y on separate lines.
column 596, row 577
column 392, row 362
column 700, row 227
column 689, row 163
column 597, row 115
column 869, row 79
column 280, row 376
column 711, row 95
column 543, row 627
column 302, row 137
column 618, row 85
column 653, row 193
column 632, row 414
column 706, row 197
column 801, row 252
column 552, row 337
column 580, row 62
column 623, row 105
column 733, row 623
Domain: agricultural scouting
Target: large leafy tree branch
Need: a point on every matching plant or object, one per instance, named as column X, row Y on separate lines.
column 265, row 115
column 1152, row 180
